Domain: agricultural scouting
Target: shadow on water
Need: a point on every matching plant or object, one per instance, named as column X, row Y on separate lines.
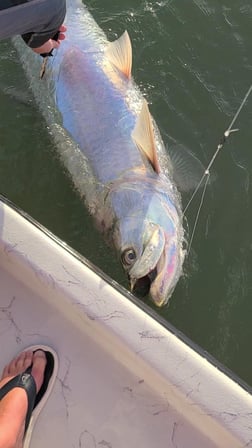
column 192, row 62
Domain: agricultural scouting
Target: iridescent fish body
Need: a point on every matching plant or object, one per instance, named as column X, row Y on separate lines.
column 88, row 91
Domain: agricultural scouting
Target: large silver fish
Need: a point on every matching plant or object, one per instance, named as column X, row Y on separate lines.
column 115, row 154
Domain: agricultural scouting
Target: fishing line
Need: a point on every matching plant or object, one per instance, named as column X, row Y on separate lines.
column 198, row 213
column 207, row 171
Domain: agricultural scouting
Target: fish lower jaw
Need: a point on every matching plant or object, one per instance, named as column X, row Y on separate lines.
column 152, row 285
column 161, row 290
column 161, row 301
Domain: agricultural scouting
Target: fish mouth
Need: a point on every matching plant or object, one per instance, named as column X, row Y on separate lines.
column 141, row 286
column 156, row 271
column 145, row 269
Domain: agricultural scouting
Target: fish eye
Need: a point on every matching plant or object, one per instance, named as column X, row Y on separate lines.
column 128, row 257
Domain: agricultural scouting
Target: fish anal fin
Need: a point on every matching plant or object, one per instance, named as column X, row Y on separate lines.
column 119, row 54
column 143, row 136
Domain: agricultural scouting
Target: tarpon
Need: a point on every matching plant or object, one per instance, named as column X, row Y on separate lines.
column 114, row 151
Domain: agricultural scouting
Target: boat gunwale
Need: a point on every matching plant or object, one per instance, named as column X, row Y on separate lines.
column 140, row 304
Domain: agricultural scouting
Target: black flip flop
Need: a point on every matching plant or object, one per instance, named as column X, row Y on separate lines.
column 26, row 381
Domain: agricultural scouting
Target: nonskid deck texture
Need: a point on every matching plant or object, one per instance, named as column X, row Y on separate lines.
column 124, row 380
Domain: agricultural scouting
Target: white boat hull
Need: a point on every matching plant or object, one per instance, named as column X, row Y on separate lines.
column 124, row 379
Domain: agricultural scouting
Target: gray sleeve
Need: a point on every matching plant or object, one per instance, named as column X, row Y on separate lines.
column 36, row 20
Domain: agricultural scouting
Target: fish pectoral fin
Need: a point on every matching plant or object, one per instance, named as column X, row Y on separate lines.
column 143, row 136
column 119, row 54
column 188, row 171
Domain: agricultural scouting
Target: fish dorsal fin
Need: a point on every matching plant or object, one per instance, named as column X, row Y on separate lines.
column 119, row 54
column 143, row 136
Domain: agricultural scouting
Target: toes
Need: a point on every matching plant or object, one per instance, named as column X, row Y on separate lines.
column 12, row 366
column 18, row 364
column 39, row 355
column 23, row 361
column 28, row 359
column 38, row 367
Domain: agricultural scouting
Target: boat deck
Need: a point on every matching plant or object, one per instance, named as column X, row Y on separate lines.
column 124, row 380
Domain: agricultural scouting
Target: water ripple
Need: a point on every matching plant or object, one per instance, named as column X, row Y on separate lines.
column 205, row 7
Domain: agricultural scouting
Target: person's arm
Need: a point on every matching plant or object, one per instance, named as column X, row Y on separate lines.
column 46, row 48
column 38, row 21
column 46, row 37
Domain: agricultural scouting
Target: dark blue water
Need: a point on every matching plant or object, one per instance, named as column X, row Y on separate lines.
column 192, row 60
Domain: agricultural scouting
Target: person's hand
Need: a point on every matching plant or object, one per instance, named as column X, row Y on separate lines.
column 51, row 43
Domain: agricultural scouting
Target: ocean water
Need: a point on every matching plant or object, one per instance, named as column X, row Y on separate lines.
column 192, row 60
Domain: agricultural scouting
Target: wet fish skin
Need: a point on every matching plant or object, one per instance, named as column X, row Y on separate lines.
column 150, row 226
column 125, row 172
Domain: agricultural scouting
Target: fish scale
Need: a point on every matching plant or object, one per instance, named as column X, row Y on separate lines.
column 113, row 150
column 92, row 103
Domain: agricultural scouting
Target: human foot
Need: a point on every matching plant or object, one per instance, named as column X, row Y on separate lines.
column 14, row 405
column 19, row 364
